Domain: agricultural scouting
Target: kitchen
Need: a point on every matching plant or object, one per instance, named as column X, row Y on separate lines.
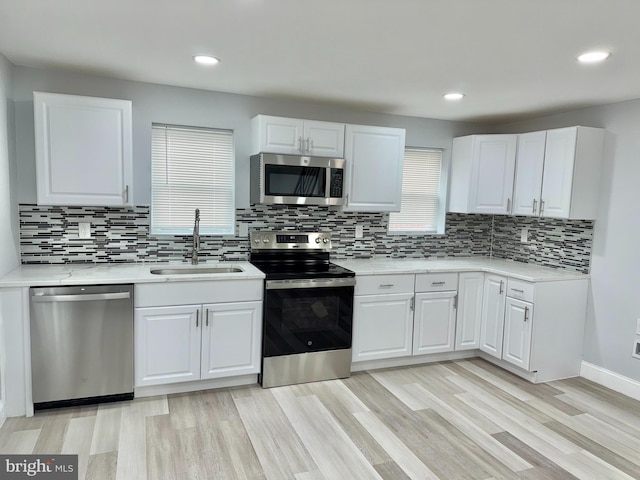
column 612, row 309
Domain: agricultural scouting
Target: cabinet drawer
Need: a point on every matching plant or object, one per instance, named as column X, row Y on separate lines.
column 380, row 284
column 181, row 293
column 436, row 282
column 520, row 290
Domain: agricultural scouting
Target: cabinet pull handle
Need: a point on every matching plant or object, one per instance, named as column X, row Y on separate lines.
column 535, row 204
column 386, row 285
column 517, row 290
column 300, row 145
column 455, row 301
column 508, row 205
column 126, row 194
column 501, row 287
column 526, row 313
column 412, row 304
column 541, row 206
column 308, row 145
column 197, row 317
column 437, row 283
column 207, row 317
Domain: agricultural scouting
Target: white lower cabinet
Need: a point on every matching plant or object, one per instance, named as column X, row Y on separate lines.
column 492, row 327
column 470, row 288
column 434, row 326
column 196, row 342
column 516, row 344
column 383, row 326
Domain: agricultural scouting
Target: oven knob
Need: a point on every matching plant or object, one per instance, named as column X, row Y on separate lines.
column 265, row 240
column 317, row 239
column 325, row 240
column 256, row 240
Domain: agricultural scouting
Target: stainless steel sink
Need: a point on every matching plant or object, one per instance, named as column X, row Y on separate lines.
column 194, row 270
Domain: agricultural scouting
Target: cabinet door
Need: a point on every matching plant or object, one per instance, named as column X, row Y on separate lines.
column 167, row 344
column 469, row 310
column 434, row 324
column 231, row 335
column 382, row 326
column 277, row 135
column 516, row 347
column 493, row 160
column 324, row 139
column 528, row 182
column 492, row 326
column 558, row 172
column 83, row 150
column 374, row 168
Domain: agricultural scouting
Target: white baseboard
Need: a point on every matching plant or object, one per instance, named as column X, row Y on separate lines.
column 612, row 380
column 194, row 386
column 408, row 361
column 3, row 414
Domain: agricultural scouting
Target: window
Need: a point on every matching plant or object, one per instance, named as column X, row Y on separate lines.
column 192, row 168
column 423, row 194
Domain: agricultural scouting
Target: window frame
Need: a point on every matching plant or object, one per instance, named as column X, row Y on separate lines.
column 442, row 196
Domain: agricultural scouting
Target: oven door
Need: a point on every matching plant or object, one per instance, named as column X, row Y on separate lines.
column 307, row 315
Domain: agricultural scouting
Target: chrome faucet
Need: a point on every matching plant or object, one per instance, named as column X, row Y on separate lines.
column 196, row 239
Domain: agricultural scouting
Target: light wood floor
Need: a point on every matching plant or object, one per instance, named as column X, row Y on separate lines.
column 451, row 420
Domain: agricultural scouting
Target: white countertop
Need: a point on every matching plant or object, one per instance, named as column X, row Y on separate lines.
column 519, row 270
column 108, row 273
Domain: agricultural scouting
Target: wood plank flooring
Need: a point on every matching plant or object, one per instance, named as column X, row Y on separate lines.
column 450, row 420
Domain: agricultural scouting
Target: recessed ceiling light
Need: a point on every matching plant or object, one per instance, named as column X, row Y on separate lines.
column 593, row 57
column 206, row 59
column 453, row 96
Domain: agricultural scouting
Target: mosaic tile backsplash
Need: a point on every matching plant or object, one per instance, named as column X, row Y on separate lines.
column 121, row 235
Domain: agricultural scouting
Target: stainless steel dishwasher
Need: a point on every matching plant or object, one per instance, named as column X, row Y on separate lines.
column 81, row 344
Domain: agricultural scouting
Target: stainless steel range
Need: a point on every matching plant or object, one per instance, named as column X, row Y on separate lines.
column 308, row 308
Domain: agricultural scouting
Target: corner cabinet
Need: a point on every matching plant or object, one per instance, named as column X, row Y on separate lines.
column 482, row 169
column 558, row 173
column 375, row 156
column 294, row 136
column 83, row 150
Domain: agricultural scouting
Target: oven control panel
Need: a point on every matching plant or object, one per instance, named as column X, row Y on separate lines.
column 290, row 240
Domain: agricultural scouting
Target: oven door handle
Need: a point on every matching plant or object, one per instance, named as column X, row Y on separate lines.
column 310, row 283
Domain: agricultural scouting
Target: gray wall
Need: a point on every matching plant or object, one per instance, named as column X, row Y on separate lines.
column 614, row 302
column 182, row 106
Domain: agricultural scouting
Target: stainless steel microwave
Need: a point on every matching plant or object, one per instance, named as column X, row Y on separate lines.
column 297, row 180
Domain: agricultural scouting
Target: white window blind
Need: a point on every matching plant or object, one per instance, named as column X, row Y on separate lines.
column 192, row 168
column 422, row 209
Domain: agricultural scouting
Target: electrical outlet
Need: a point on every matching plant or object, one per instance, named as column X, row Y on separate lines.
column 524, row 235
column 84, row 230
column 638, row 326
column 636, row 348
column 243, row 230
column 359, row 231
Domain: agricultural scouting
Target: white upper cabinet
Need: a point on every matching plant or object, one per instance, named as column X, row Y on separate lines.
column 527, row 186
column 83, row 150
column 294, row 136
column 571, row 178
column 482, row 169
column 374, row 156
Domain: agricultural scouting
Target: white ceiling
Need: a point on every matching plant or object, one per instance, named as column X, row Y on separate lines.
column 512, row 58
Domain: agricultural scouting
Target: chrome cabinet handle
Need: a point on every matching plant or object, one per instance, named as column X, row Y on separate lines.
column 300, row 145
column 412, row 304
column 308, row 142
column 526, row 313
column 207, row 317
column 517, row 290
column 535, row 204
column 386, row 285
column 197, row 317
column 455, row 301
column 541, row 206
column 437, row 283
column 501, row 287
column 126, row 194
column 508, row 205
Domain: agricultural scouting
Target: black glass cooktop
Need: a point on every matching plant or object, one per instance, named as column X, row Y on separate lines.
column 297, row 265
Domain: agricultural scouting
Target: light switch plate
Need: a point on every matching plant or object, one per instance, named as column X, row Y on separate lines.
column 243, row 230
column 636, row 348
column 359, row 231
column 524, row 235
column 84, row 230
column 638, row 326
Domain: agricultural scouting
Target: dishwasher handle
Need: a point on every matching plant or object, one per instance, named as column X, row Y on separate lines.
column 82, row 297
